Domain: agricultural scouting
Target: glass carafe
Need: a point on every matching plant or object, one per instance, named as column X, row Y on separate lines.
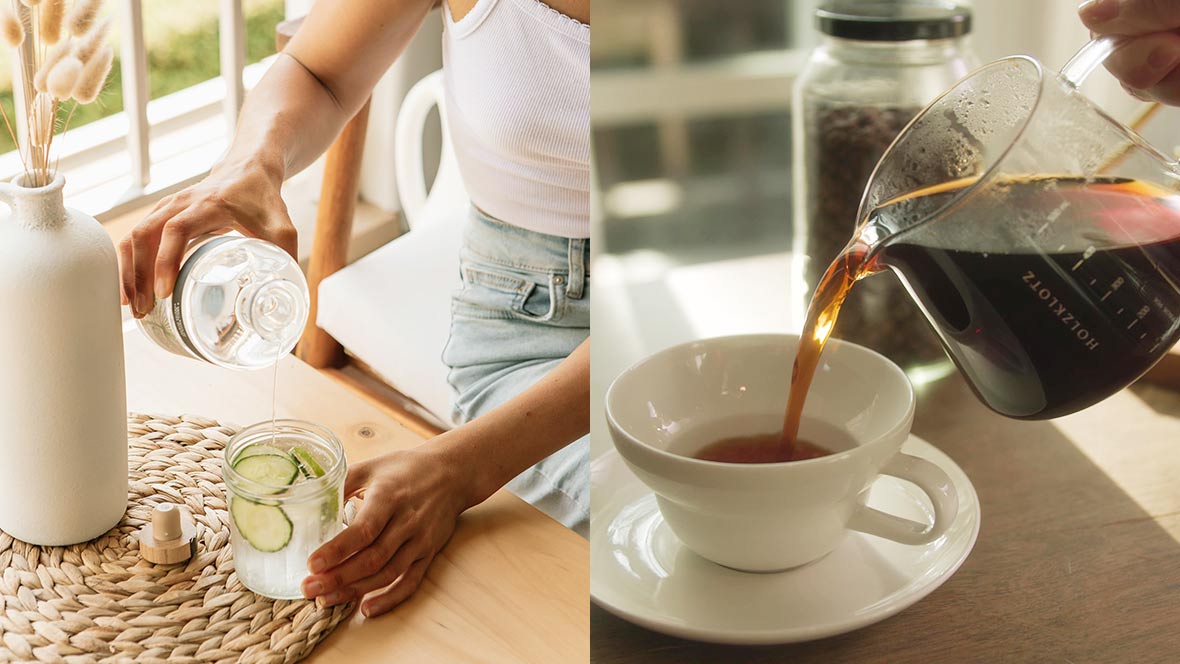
column 1039, row 236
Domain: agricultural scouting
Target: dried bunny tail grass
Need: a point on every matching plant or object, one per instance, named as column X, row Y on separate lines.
column 49, row 21
column 52, row 57
column 63, row 77
column 82, row 16
column 94, row 75
column 43, row 119
column 14, row 31
column 88, row 44
column 30, row 3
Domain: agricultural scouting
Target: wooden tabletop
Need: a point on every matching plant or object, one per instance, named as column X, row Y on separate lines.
column 1078, row 556
column 511, row 586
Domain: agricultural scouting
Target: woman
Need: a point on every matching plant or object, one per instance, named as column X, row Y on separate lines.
column 517, row 78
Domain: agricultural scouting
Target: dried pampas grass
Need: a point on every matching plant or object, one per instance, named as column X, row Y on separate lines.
column 68, row 58
column 82, row 16
column 52, row 57
column 49, row 20
column 44, row 108
column 94, row 75
column 63, row 77
column 88, row 44
column 14, row 31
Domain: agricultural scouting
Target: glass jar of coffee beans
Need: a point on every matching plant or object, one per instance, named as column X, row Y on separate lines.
column 877, row 65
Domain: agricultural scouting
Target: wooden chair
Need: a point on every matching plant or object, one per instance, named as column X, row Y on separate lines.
column 333, row 228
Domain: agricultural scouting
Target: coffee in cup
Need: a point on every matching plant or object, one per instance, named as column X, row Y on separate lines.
column 771, row 516
column 759, row 448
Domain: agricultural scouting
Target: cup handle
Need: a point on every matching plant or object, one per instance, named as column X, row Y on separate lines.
column 930, row 479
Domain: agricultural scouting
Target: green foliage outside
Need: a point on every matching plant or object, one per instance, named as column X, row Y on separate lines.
column 184, row 58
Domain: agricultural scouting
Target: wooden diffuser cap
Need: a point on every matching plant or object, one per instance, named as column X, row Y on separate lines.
column 170, row 538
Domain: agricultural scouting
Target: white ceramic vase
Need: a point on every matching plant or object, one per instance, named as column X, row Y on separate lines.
column 63, row 404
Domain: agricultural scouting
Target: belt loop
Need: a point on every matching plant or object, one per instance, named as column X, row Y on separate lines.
column 577, row 280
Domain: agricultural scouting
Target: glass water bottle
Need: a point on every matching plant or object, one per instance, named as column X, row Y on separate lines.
column 239, row 303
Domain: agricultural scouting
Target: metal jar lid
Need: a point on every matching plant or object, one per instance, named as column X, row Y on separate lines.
column 881, row 20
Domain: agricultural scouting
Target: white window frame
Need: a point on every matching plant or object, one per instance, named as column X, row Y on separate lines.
column 670, row 93
column 154, row 147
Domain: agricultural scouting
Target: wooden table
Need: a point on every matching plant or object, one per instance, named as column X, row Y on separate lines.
column 511, row 586
column 1078, row 556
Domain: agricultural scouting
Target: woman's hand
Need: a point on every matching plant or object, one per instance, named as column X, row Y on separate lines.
column 242, row 196
column 1148, row 64
column 412, row 499
column 411, row 502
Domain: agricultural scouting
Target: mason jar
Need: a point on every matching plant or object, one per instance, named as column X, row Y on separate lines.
column 284, row 491
column 877, row 65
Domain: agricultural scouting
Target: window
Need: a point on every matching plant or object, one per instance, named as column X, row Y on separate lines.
column 691, row 117
column 181, row 37
column 170, row 61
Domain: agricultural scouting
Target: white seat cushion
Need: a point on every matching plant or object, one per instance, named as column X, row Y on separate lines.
column 392, row 308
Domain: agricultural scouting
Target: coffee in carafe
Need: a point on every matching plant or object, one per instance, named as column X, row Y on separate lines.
column 1041, row 320
column 1039, row 236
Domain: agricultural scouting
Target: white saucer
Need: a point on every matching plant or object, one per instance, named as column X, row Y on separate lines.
column 642, row 573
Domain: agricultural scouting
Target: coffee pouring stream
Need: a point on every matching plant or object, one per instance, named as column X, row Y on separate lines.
column 1039, row 236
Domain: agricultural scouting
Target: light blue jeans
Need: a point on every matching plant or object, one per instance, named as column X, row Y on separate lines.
column 523, row 308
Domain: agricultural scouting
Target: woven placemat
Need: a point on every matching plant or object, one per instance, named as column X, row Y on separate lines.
column 100, row 603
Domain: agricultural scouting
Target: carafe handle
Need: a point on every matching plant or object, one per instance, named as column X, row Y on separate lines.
column 1087, row 59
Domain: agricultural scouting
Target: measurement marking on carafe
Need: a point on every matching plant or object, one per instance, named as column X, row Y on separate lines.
column 1114, row 285
column 1119, row 311
column 1086, row 254
column 1052, row 217
column 1092, row 281
column 1140, row 315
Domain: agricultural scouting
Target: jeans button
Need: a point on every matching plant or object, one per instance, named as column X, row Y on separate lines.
column 559, row 280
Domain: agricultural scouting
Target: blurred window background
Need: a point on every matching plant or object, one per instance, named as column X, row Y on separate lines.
column 691, row 109
column 182, row 50
column 691, row 114
column 177, row 60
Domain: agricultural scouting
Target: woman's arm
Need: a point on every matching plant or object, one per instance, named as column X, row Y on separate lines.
column 319, row 81
column 342, row 50
column 509, row 439
column 413, row 498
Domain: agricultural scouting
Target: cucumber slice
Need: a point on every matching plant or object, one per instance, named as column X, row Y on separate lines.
column 310, row 468
column 268, row 469
column 258, row 450
column 266, row 527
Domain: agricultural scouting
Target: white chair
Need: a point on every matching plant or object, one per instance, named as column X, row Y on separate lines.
column 391, row 309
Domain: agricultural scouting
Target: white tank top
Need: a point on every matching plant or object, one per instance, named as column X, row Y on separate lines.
column 517, row 76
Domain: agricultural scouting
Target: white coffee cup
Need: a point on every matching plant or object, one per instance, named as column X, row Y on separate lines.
column 774, row 516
